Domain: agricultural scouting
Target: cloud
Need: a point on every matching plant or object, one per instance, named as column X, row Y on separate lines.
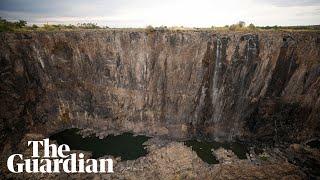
column 62, row 7
column 139, row 13
column 290, row 3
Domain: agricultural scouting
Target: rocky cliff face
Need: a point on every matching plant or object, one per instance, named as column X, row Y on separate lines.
column 263, row 86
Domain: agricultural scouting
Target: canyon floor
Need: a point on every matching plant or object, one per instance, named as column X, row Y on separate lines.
column 169, row 159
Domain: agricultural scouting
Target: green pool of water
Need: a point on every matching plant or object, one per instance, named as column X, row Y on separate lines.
column 203, row 149
column 127, row 146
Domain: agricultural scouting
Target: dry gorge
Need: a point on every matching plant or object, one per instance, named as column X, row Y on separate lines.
column 260, row 88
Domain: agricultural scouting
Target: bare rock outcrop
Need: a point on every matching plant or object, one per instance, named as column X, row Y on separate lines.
column 174, row 160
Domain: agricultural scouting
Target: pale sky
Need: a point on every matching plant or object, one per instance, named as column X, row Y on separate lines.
column 140, row 13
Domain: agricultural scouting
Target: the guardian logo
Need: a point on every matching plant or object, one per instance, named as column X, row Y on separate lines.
column 55, row 159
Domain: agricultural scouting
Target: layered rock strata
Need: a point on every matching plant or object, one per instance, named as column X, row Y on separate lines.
column 260, row 86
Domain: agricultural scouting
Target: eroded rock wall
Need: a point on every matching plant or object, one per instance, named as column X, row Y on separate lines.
column 260, row 86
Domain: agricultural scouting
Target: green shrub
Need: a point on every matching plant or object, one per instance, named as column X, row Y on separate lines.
column 150, row 29
column 49, row 27
column 264, row 156
column 238, row 26
column 11, row 26
column 88, row 26
column 21, row 23
column 241, row 24
column 162, row 28
column 252, row 26
column 233, row 27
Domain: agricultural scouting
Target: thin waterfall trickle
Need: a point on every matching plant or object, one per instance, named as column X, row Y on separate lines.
column 216, row 72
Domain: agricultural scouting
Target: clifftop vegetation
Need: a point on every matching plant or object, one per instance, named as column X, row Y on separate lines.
column 21, row 26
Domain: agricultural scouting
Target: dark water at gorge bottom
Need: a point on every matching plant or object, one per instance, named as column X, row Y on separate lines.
column 203, row 149
column 130, row 147
column 126, row 145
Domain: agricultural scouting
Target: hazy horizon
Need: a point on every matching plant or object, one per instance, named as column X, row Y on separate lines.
column 140, row 13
